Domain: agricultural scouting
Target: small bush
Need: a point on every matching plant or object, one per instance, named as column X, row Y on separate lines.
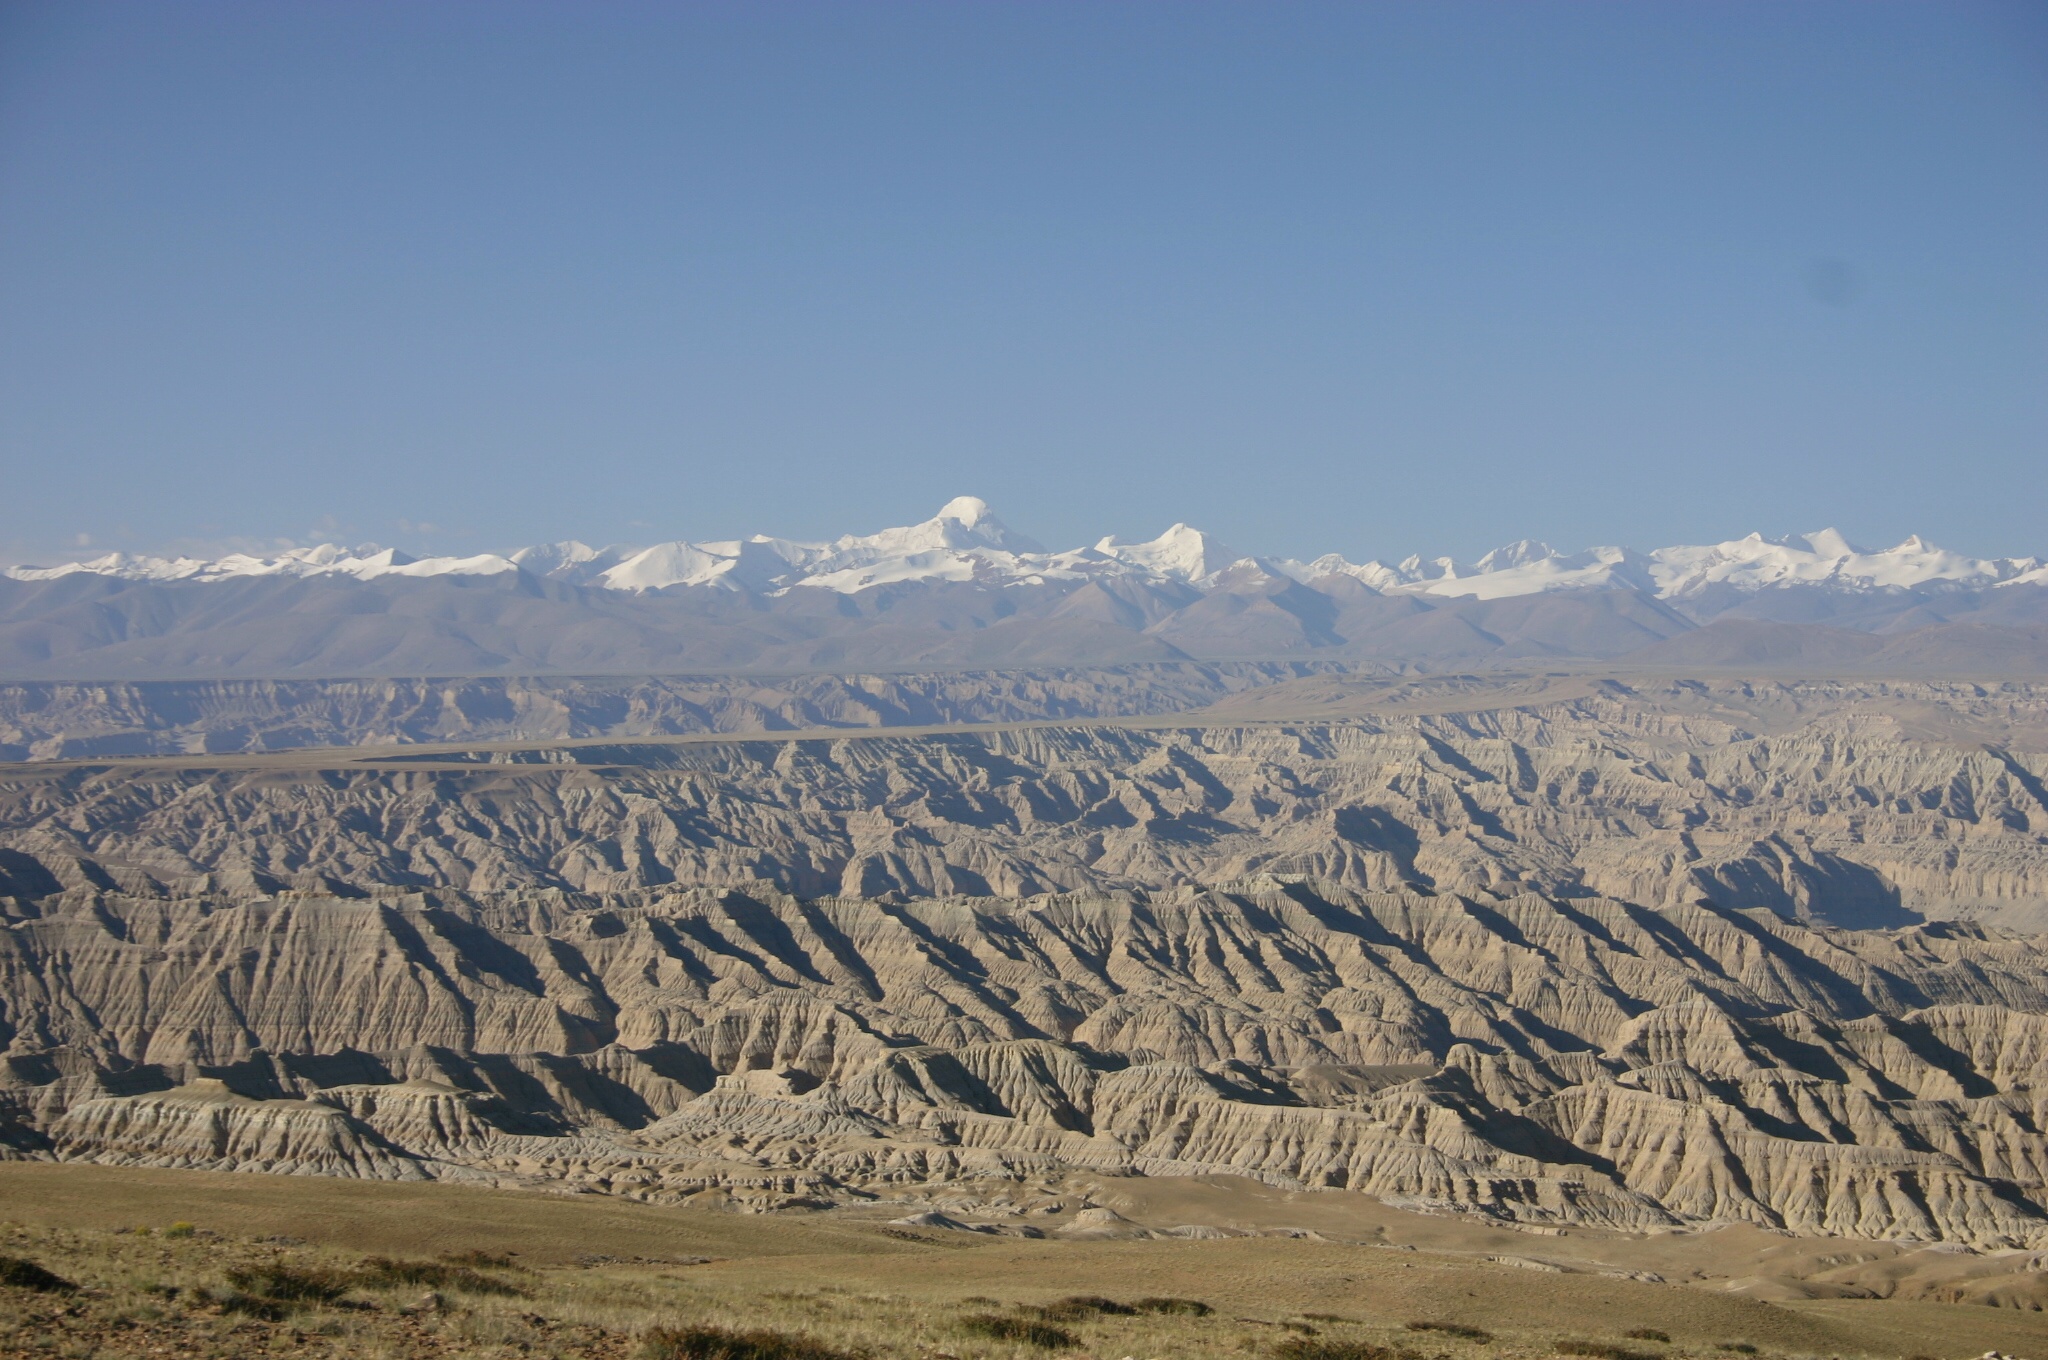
column 1079, row 1308
column 28, row 1275
column 290, row 1285
column 484, row 1260
column 1028, row 1331
column 1601, row 1350
column 1648, row 1334
column 180, row 1229
column 1177, row 1307
column 1457, row 1329
column 1737, row 1347
column 1318, row 1348
column 719, row 1343
column 381, row 1272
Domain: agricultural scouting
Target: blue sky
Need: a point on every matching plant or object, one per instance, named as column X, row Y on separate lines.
column 1362, row 278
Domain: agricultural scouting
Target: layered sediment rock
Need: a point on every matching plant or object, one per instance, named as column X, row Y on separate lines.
column 1531, row 1058
column 1863, row 806
column 206, row 1126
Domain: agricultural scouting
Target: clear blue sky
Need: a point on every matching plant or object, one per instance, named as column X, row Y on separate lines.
column 1319, row 277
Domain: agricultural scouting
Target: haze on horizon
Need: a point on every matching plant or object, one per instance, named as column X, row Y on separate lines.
column 1373, row 280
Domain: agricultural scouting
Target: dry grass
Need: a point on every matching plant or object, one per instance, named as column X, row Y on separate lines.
column 401, row 1272
column 1023, row 1330
column 146, row 1293
column 1323, row 1348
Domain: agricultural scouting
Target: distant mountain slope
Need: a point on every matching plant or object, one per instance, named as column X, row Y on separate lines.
column 1747, row 642
column 964, row 590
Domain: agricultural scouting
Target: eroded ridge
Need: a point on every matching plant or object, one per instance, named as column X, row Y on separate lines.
column 1853, row 804
column 1534, row 1059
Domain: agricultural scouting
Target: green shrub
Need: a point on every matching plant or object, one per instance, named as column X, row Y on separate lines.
column 1648, row 1334
column 1181, row 1307
column 1079, row 1308
column 1457, row 1329
column 1029, row 1331
column 290, row 1285
column 28, row 1275
column 180, row 1229
column 381, row 1272
column 486, row 1260
column 1601, row 1350
column 719, row 1343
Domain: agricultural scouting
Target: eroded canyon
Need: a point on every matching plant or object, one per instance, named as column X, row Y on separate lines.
column 1549, row 951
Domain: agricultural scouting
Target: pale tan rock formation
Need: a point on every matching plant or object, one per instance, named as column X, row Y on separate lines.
column 1534, row 1059
column 205, row 1126
column 1861, row 805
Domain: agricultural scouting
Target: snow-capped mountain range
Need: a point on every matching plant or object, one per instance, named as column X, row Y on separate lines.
column 965, row 542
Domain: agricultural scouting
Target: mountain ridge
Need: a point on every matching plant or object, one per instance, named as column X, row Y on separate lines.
column 966, row 541
column 964, row 591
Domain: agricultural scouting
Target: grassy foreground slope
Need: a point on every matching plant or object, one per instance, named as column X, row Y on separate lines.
column 197, row 1264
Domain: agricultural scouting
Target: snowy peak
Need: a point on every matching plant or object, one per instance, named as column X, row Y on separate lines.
column 963, row 524
column 1830, row 543
column 1518, row 554
column 364, row 563
column 966, row 543
column 1824, row 558
column 1181, row 553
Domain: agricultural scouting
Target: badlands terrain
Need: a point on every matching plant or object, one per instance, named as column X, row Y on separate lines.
column 1659, row 994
